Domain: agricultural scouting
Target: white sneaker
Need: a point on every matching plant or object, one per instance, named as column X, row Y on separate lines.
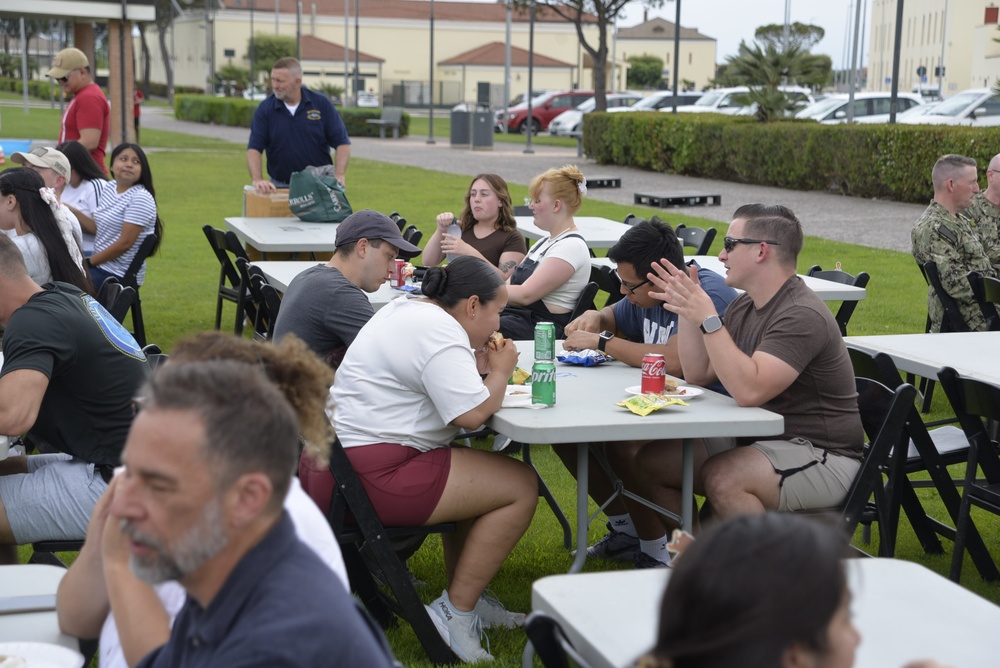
column 463, row 632
column 495, row 615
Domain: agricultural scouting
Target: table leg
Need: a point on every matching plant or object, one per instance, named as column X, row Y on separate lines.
column 582, row 519
column 687, row 485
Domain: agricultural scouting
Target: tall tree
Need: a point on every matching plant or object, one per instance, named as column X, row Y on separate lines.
column 166, row 11
column 802, row 35
column 764, row 69
column 269, row 48
column 644, row 71
column 578, row 13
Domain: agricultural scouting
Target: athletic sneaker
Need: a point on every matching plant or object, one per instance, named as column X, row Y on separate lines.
column 494, row 615
column 463, row 633
column 614, row 545
column 643, row 560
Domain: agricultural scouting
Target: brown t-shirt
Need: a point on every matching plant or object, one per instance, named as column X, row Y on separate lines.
column 821, row 404
column 495, row 244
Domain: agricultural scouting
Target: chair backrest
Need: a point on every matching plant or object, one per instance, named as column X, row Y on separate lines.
column 272, row 298
column 392, row 114
column 550, row 642
column 607, row 280
column 116, row 298
column 256, row 305
column 846, row 310
column 412, row 235
column 220, row 246
column 585, row 302
column 633, row 219
column 976, row 405
column 696, row 237
column 952, row 320
column 154, row 356
column 883, row 416
column 986, row 290
column 145, row 249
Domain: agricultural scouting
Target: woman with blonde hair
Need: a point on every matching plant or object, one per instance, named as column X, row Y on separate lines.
column 489, row 230
column 547, row 283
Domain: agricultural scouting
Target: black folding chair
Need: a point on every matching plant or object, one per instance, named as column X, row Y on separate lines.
column 412, row 235
column 607, row 280
column 846, row 310
column 696, row 237
column 225, row 244
column 550, row 642
column 399, row 597
column 130, row 279
column 987, row 292
column 116, row 298
column 633, row 219
column 952, row 321
column 977, row 406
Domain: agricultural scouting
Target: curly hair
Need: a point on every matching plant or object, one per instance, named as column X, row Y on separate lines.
column 300, row 375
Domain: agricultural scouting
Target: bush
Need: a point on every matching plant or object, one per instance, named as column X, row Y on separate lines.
column 46, row 89
column 879, row 160
column 239, row 112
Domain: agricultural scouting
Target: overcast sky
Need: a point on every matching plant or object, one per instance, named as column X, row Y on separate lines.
column 739, row 19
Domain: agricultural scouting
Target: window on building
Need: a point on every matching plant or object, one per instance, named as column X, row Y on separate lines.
column 229, row 53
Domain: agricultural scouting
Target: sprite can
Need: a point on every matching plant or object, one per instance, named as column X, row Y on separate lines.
column 545, row 341
column 543, row 383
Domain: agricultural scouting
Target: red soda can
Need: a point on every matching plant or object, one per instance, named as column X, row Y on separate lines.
column 654, row 370
column 396, row 279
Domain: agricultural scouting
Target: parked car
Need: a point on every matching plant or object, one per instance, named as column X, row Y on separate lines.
column 976, row 106
column 568, row 122
column 367, row 100
column 726, row 100
column 663, row 99
column 873, row 107
column 543, row 109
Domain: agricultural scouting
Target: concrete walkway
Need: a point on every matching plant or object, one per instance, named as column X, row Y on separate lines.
column 874, row 223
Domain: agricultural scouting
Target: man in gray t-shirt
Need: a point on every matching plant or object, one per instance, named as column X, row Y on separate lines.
column 326, row 305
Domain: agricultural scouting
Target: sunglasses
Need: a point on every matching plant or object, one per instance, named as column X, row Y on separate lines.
column 630, row 288
column 729, row 243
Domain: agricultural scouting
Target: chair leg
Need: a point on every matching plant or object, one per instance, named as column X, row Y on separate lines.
column 218, row 312
column 138, row 328
column 365, row 588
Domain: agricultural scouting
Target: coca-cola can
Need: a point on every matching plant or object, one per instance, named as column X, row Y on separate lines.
column 396, row 279
column 654, row 371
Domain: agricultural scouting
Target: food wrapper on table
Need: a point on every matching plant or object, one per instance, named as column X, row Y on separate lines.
column 520, row 376
column 644, row 404
column 586, row 357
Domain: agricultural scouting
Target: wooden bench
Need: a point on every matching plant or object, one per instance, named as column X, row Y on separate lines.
column 391, row 118
column 603, row 182
column 665, row 200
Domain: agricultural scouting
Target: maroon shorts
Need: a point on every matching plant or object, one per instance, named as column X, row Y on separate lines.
column 403, row 483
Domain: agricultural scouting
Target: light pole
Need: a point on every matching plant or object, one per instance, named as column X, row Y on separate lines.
column 506, row 65
column 529, row 122
column 253, row 87
column 430, row 125
column 677, row 53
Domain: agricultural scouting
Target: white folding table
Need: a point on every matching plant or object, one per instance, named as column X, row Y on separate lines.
column 42, row 626
column 903, row 610
column 971, row 354
column 597, row 232
column 585, row 412
column 285, row 235
column 829, row 291
column 280, row 274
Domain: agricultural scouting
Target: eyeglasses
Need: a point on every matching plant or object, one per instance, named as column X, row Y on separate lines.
column 65, row 78
column 630, row 288
column 729, row 243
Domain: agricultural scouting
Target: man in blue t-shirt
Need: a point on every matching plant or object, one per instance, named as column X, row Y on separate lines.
column 297, row 128
column 632, row 327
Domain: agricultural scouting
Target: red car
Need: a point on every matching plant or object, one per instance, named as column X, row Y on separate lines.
column 543, row 110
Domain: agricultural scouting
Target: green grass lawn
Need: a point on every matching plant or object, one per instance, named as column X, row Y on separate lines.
column 200, row 181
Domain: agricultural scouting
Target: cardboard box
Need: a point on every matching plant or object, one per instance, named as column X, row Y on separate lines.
column 272, row 205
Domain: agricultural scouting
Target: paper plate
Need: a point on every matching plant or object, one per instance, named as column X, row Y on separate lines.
column 42, row 655
column 686, row 391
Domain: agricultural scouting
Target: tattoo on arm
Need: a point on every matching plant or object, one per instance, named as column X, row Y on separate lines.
column 507, row 266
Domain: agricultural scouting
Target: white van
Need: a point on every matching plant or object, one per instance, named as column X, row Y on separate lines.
column 723, row 100
column 976, row 106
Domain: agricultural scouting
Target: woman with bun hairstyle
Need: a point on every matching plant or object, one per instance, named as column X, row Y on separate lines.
column 489, row 230
column 547, row 283
column 422, row 393
column 86, row 180
column 27, row 215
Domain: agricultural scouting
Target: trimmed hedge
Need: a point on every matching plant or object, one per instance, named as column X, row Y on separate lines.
column 239, row 112
column 43, row 90
column 878, row 160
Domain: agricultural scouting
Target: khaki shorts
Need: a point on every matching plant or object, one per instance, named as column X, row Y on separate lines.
column 811, row 477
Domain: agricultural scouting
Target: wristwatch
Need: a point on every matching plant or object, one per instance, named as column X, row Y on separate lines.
column 712, row 323
column 603, row 339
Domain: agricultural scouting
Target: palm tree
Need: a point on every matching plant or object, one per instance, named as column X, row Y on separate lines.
column 764, row 69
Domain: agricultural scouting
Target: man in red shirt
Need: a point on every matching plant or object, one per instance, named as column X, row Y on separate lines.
column 88, row 116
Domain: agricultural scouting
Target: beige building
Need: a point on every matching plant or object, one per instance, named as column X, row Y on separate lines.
column 957, row 33
column 394, row 46
column 656, row 38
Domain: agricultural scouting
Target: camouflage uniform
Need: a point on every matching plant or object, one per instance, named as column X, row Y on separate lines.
column 985, row 220
column 950, row 242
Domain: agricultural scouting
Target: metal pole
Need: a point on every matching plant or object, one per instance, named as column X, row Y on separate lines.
column 430, row 126
column 24, row 65
column 357, row 47
column 506, row 66
column 944, row 41
column 531, row 73
column 614, row 50
column 298, row 30
column 123, row 79
column 252, row 77
column 347, row 13
column 277, row 4
column 677, row 52
column 894, row 86
column 786, row 35
column 847, row 37
column 854, row 61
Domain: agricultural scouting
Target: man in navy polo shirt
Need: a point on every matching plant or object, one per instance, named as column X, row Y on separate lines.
column 297, row 128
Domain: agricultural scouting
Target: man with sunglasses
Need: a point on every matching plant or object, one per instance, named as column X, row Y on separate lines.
column 88, row 117
column 627, row 330
column 779, row 348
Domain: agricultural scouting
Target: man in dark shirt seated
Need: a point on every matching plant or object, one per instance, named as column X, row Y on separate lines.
column 207, row 465
column 70, row 372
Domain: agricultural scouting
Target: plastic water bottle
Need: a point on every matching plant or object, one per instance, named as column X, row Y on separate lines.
column 456, row 231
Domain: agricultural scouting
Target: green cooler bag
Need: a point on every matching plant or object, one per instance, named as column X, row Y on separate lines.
column 317, row 197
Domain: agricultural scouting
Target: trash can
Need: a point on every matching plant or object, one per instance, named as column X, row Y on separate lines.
column 482, row 131
column 461, row 129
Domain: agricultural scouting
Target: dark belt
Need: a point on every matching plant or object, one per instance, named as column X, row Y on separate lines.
column 107, row 472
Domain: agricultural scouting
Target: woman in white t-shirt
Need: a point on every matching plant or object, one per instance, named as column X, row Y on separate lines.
column 86, row 181
column 85, row 605
column 407, row 384
column 548, row 282
column 27, row 216
column 126, row 214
